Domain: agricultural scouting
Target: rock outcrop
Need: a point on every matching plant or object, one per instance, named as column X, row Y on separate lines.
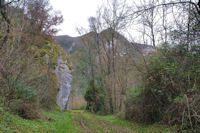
column 65, row 80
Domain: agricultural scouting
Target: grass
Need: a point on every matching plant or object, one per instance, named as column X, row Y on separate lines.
column 140, row 128
column 69, row 122
column 63, row 124
column 92, row 122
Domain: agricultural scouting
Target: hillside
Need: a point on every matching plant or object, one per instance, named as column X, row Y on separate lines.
column 77, row 47
column 70, row 44
column 100, row 82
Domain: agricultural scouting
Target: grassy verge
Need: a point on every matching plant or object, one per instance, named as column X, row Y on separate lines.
column 63, row 123
column 113, row 125
column 139, row 128
column 73, row 122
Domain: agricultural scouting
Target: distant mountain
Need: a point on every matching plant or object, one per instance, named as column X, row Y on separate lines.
column 73, row 44
column 70, row 44
column 67, row 42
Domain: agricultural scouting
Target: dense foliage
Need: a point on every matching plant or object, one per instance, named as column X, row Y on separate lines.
column 95, row 97
column 28, row 56
column 170, row 91
column 168, row 77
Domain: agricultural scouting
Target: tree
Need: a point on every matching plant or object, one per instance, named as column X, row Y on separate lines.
column 3, row 13
column 166, row 94
column 173, row 18
column 27, row 79
column 108, row 45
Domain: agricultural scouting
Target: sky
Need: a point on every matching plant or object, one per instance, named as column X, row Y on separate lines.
column 75, row 14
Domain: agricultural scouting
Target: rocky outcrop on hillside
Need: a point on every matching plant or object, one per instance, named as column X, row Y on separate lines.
column 65, row 80
column 143, row 48
column 70, row 44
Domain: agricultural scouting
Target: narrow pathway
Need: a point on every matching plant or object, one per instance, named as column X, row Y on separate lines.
column 115, row 128
column 90, row 124
column 83, row 125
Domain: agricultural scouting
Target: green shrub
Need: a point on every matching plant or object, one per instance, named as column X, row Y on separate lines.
column 83, row 107
column 24, row 101
column 28, row 57
column 171, row 91
column 121, row 115
column 25, row 93
column 95, row 98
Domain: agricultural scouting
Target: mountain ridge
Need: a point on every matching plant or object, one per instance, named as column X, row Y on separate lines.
column 70, row 44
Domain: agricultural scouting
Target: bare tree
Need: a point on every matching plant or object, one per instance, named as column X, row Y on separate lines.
column 161, row 18
column 110, row 20
column 3, row 12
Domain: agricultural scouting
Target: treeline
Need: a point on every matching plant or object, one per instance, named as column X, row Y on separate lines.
column 28, row 57
column 107, row 64
column 160, row 85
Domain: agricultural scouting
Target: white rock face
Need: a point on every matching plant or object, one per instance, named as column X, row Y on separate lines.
column 148, row 51
column 65, row 80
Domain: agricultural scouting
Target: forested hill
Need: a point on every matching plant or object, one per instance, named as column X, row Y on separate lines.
column 78, row 49
column 67, row 42
column 100, row 81
column 70, row 44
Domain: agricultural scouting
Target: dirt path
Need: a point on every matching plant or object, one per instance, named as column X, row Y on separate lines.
column 115, row 128
column 85, row 127
column 78, row 120
column 90, row 124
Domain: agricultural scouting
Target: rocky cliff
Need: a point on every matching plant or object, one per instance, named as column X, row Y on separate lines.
column 74, row 46
column 65, row 80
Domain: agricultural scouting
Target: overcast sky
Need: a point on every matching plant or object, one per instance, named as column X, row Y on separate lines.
column 75, row 14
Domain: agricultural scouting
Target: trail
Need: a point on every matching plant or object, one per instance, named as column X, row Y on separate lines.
column 83, row 125
column 116, row 128
column 91, row 124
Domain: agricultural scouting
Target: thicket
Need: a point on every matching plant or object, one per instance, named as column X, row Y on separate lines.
column 170, row 76
column 28, row 56
column 171, row 89
column 95, row 97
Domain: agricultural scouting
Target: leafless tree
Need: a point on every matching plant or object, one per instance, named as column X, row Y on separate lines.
column 3, row 12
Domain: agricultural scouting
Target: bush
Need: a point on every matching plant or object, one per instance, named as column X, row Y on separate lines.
column 121, row 115
column 143, row 104
column 25, row 93
column 171, row 90
column 24, row 101
column 47, row 92
column 83, row 107
column 28, row 57
column 95, row 98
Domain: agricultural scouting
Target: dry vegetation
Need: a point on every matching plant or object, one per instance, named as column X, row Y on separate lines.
column 119, row 77
column 28, row 56
column 167, row 90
